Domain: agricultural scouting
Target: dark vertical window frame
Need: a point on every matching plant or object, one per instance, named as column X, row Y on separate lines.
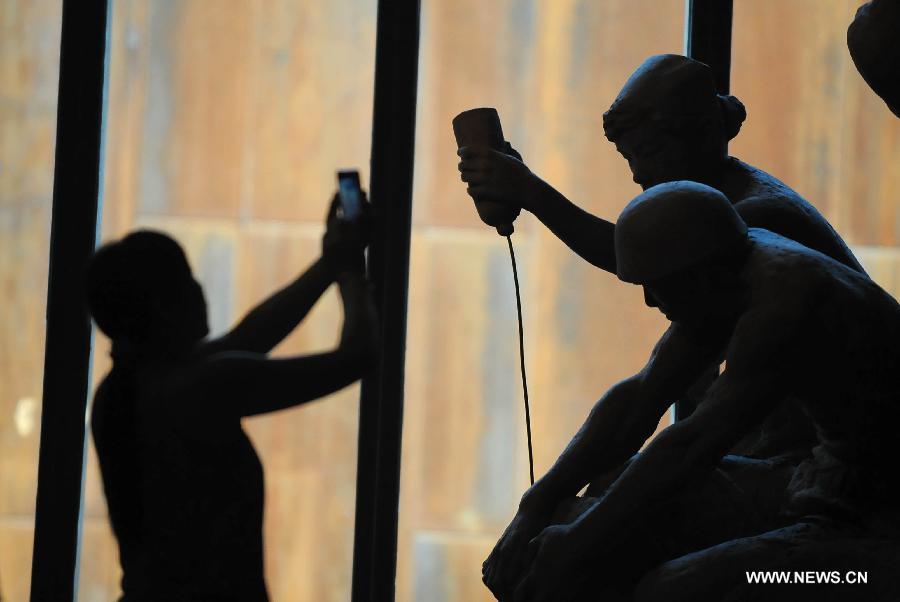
column 77, row 188
column 708, row 40
column 381, row 399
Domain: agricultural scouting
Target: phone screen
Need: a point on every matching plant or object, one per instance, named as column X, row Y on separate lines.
column 348, row 189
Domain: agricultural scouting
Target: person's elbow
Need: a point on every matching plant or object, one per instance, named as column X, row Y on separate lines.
column 359, row 351
column 359, row 359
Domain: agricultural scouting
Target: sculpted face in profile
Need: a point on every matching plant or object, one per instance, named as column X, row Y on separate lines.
column 669, row 123
column 664, row 265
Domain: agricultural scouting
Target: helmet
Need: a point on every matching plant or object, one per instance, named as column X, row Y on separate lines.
column 672, row 227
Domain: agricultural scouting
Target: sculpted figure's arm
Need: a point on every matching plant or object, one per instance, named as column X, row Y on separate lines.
column 746, row 392
column 616, row 428
column 271, row 321
column 626, row 415
column 504, row 178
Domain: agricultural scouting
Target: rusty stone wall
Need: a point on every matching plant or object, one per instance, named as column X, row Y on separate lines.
column 227, row 120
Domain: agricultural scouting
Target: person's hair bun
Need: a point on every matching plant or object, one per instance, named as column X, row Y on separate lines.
column 733, row 115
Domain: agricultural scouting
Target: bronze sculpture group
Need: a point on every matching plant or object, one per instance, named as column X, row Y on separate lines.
column 787, row 463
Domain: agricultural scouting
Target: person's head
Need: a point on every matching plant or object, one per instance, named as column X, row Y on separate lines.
column 875, row 50
column 669, row 123
column 685, row 244
column 141, row 292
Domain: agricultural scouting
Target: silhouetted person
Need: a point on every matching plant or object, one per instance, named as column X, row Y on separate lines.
column 183, row 484
column 874, row 48
column 788, row 321
column 669, row 123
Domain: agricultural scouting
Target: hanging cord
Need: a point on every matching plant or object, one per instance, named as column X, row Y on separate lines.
column 512, row 256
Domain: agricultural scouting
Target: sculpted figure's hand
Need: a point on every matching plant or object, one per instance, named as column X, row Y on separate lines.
column 495, row 176
column 507, row 562
column 345, row 241
column 552, row 574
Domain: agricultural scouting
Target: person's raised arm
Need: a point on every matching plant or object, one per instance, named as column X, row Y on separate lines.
column 503, row 178
column 250, row 383
column 246, row 384
column 271, row 321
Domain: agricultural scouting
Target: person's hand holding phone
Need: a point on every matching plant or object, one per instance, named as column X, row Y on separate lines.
column 345, row 239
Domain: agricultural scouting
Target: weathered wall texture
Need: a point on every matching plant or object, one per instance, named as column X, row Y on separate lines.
column 29, row 59
column 227, row 120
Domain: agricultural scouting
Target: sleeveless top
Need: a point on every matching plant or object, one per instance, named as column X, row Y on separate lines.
column 185, row 497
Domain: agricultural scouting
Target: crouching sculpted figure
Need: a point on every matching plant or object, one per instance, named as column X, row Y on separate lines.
column 682, row 520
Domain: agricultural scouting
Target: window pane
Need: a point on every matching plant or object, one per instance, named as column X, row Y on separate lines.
column 227, row 121
column 551, row 68
column 815, row 124
column 29, row 77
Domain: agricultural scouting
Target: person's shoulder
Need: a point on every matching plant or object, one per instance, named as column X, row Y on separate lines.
column 104, row 387
column 203, row 387
column 108, row 407
column 104, row 396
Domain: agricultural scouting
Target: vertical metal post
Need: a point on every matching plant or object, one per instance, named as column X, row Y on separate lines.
column 76, row 197
column 381, row 403
column 709, row 37
column 708, row 40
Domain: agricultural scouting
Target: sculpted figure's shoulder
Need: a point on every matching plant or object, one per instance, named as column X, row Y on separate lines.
column 763, row 201
column 784, row 275
column 814, row 290
column 742, row 181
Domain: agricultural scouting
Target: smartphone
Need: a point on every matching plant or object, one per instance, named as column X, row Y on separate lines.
column 350, row 194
